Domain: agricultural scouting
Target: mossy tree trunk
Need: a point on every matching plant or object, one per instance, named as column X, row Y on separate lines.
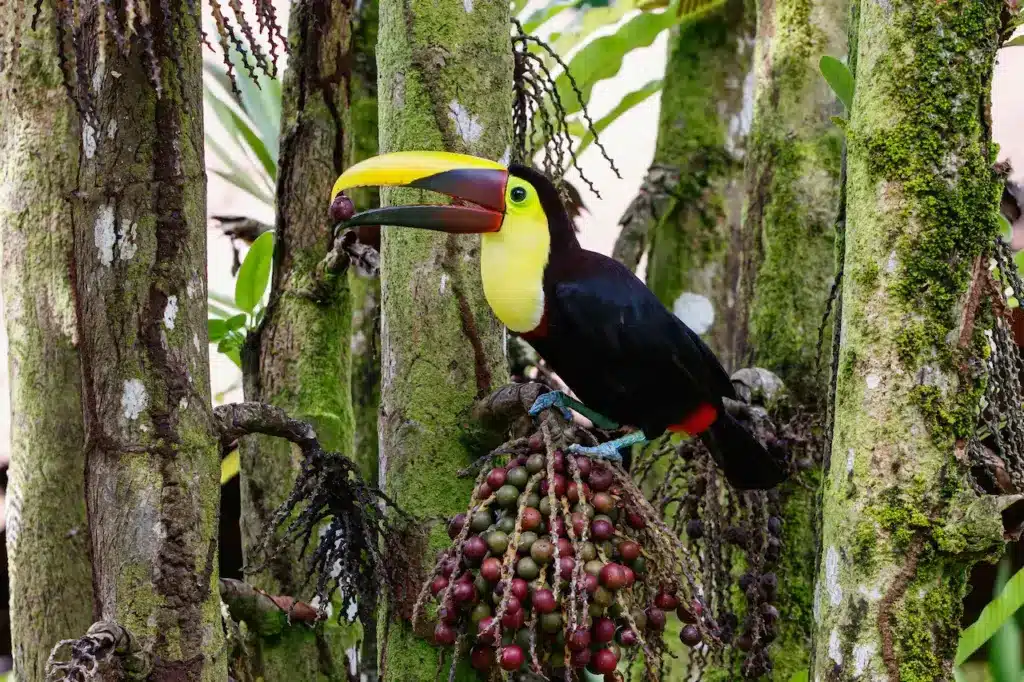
column 445, row 82
column 47, row 534
column 705, row 116
column 300, row 360
column 901, row 525
column 139, row 288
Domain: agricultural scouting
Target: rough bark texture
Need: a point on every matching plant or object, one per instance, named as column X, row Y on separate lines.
column 705, row 116
column 139, row 287
column 792, row 186
column 901, row 528
column 445, row 82
column 301, row 360
column 47, row 535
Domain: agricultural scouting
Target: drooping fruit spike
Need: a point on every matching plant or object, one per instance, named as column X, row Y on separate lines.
column 444, row 634
column 482, row 657
column 690, row 635
column 604, row 661
column 510, row 657
column 603, row 630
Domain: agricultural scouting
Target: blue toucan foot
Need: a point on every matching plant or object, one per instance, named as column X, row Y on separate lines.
column 609, row 450
column 555, row 399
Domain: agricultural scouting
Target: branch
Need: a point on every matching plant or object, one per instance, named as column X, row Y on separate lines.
column 265, row 614
column 242, row 419
column 346, row 250
column 105, row 645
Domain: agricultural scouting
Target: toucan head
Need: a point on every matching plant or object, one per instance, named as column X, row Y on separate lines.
column 490, row 198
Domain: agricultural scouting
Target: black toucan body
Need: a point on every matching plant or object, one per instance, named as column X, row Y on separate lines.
column 626, row 357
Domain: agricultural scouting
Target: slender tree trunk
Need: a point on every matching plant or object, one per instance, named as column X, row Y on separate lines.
column 47, row 534
column 901, row 525
column 139, row 289
column 445, row 76
column 300, row 360
column 705, row 117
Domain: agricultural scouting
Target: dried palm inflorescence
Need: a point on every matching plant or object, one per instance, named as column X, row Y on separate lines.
column 560, row 563
column 89, row 31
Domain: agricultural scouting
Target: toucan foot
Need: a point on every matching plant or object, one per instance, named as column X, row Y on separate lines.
column 603, row 451
column 552, row 399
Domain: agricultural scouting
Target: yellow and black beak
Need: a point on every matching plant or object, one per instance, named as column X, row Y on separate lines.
column 478, row 183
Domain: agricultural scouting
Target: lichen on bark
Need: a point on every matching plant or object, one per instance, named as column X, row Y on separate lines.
column 445, row 82
column 137, row 272
column 47, row 532
column 300, row 358
column 921, row 208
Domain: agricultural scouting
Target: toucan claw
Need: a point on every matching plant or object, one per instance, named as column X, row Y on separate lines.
column 551, row 399
column 607, row 451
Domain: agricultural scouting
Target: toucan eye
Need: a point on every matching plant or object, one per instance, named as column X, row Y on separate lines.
column 518, row 194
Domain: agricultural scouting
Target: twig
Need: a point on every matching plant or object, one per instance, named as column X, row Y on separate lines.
column 263, row 613
column 242, row 419
column 105, row 644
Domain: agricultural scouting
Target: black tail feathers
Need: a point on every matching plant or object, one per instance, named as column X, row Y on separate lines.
column 746, row 463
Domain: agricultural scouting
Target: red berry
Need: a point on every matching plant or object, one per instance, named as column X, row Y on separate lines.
column 612, row 576
column 520, row 590
column 455, row 525
column 483, row 491
column 634, row 520
column 475, row 548
column 629, row 550
column 579, row 639
column 573, row 493
column 565, row 566
column 484, row 631
column 685, row 614
column 565, row 547
column 448, row 567
column 514, row 620
column 628, row 637
column 590, row 583
column 690, row 635
column 438, row 584
column 531, row 518
column 510, row 657
column 604, row 661
column 490, row 569
column 560, row 485
column 558, row 527
column 603, row 503
column 665, row 601
column 464, row 592
column 543, row 601
column 603, row 630
column 496, row 478
column 512, row 605
column 536, row 443
column 630, row 576
column 482, row 657
column 444, row 634
column 655, row 619
column 341, row 209
column 448, row 614
column 559, row 463
column 601, row 530
column 578, row 659
column 600, row 479
column 584, row 465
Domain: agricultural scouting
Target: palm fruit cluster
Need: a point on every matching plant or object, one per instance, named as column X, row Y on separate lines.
column 560, row 564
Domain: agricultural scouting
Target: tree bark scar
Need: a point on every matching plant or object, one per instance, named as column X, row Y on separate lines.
column 895, row 593
column 469, row 328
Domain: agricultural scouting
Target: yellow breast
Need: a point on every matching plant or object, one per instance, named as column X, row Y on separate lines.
column 512, row 263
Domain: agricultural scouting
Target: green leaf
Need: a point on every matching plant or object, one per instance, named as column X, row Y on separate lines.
column 1015, row 42
column 240, row 129
column 236, row 322
column 1004, row 648
column 254, row 275
column 216, row 329
column 625, row 104
column 230, row 346
column 242, row 182
column 545, row 14
column 799, row 676
column 229, row 466
column 1006, row 229
column 998, row 611
column 1018, row 260
column 839, row 79
column 259, row 104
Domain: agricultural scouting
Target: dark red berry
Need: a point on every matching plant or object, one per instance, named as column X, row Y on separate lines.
column 536, row 442
column 565, row 566
column 558, row 527
column 510, row 657
column 612, row 576
column 520, row 590
column 634, row 520
column 744, row 642
column 438, row 584
column 655, row 619
column 475, row 548
column 579, row 639
column 628, row 637
column 448, row 614
column 559, row 462
column 490, row 569
column 666, row 601
column 629, row 550
column 496, row 478
column 456, row 525
column 578, row 659
column 604, row 661
column 600, row 479
column 573, row 492
column 590, row 583
column 695, row 529
column 630, row 576
column 565, row 547
column 444, row 634
column 579, row 523
column 531, row 518
column 514, row 620
column 464, row 592
column 512, row 605
column 342, row 208
column 485, row 630
column 484, row 491
column 603, row 503
column 603, row 630
column 584, row 465
column 690, row 635
column 543, row 601
column 601, row 530
column 685, row 614
column 482, row 657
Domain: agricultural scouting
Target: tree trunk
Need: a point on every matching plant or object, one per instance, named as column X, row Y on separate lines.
column 139, row 290
column 901, row 525
column 792, row 186
column 304, row 351
column 705, row 116
column 47, row 534
column 445, row 74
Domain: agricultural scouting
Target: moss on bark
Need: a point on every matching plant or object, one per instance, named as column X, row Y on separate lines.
column 445, row 82
column 705, row 117
column 921, row 207
column 137, row 270
column 301, row 358
column 47, row 532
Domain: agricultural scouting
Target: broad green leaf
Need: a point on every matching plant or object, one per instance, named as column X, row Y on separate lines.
column 229, row 467
column 1018, row 260
column 1004, row 648
column 589, row 22
column 839, row 79
column 254, row 275
column 625, row 104
column 216, row 329
column 545, row 14
column 998, row 611
column 235, row 323
column 1015, row 42
column 1006, row 229
column 240, row 128
column 241, row 181
column 229, row 346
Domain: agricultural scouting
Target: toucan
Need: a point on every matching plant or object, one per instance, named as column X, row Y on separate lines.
column 628, row 360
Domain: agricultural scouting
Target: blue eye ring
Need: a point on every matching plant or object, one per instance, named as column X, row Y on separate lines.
column 518, row 195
